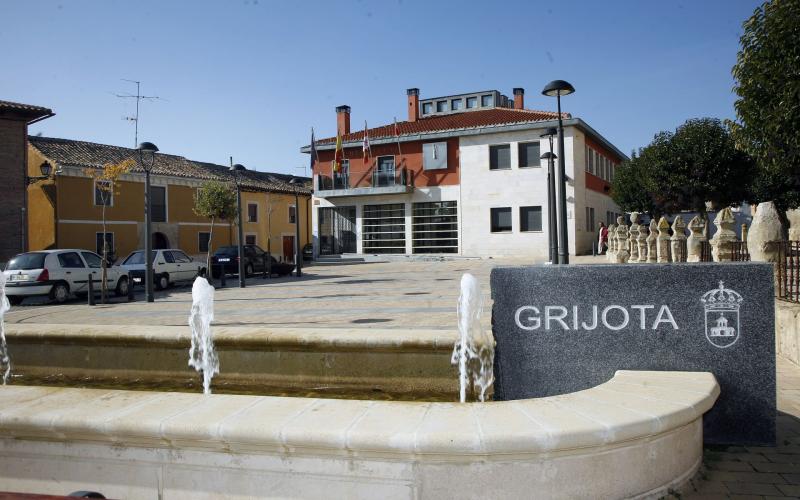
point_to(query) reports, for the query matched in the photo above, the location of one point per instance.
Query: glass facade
(337, 230)
(383, 228)
(435, 227)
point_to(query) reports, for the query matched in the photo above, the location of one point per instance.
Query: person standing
(602, 238)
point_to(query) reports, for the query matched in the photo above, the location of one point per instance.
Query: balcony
(377, 183)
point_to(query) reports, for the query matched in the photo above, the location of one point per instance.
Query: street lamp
(46, 169)
(237, 170)
(298, 257)
(147, 159)
(551, 197)
(556, 89)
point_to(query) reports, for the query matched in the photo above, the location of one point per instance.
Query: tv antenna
(138, 97)
(304, 168)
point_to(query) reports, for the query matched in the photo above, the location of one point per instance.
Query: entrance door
(288, 248)
(337, 230)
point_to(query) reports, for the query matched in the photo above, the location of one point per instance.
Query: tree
(768, 108)
(630, 189)
(700, 163)
(106, 181)
(682, 170)
(215, 200)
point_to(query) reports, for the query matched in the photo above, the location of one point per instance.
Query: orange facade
(407, 156)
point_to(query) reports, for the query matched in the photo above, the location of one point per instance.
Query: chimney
(342, 120)
(413, 104)
(519, 98)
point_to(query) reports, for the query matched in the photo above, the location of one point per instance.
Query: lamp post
(556, 89)
(237, 170)
(551, 205)
(298, 254)
(147, 158)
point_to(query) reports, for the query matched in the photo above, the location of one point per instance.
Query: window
(529, 155)
(158, 202)
(589, 219)
(70, 260)
(180, 257)
(98, 243)
(250, 239)
(456, 104)
(530, 219)
(92, 260)
(500, 157)
(441, 106)
(427, 108)
(472, 102)
(501, 219)
(384, 228)
(168, 257)
(384, 173)
(435, 227)
(252, 212)
(486, 100)
(292, 214)
(586, 156)
(103, 194)
(591, 161)
(202, 241)
(341, 179)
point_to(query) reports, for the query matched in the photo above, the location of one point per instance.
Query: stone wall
(787, 330)
(13, 137)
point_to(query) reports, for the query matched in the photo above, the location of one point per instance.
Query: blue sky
(249, 78)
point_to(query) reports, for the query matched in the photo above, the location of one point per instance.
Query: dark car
(255, 261)
(308, 252)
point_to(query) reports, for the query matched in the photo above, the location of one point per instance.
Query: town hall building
(462, 175)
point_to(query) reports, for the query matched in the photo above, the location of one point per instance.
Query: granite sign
(562, 329)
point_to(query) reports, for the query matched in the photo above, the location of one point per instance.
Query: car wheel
(59, 292)
(162, 281)
(122, 287)
(248, 271)
(15, 300)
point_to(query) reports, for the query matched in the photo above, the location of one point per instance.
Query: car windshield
(227, 251)
(137, 258)
(25, 261)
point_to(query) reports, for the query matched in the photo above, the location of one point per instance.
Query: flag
(365, 146)
(314, 156)
(338, 154)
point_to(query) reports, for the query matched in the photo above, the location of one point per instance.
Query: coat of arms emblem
(722, 316)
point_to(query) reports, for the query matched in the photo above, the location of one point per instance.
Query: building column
(359, 228)
(409, 228)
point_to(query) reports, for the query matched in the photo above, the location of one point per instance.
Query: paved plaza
(423, 294)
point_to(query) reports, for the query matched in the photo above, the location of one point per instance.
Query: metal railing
(738, 252)
(325, 182)
(788, 272)
(388, 178)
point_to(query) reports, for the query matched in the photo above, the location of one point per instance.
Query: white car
(59, 273)
(169, 266)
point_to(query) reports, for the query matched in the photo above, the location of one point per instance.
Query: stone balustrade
(663, 242)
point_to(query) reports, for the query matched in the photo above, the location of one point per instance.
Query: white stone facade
(480, 189)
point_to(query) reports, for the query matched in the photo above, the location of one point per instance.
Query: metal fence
(788, 272)
(738, 252)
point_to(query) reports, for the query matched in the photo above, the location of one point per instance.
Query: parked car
(59, 273)
(169, 266)
(255, 260)
(308, 252)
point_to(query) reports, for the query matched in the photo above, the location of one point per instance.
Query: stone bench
(636, 435)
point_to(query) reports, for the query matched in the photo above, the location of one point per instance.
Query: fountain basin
(369, 363)
(635, 436)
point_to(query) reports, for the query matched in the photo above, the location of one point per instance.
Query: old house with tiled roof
(65, 210)
(461, 175)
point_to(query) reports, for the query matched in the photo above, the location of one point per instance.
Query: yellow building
(66, 210)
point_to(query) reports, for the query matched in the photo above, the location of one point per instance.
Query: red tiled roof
(455, 121)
